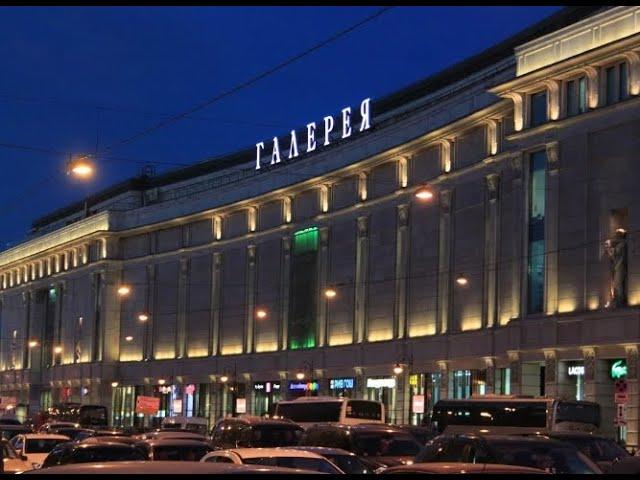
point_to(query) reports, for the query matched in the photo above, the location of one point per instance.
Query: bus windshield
(85, 415)
(310, 411)
(577, 413)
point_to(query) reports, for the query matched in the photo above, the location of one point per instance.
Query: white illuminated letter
(311, 137)
(328, 127)
(293, 148)
(259, 146)
(365, 112)
(346, 122)
(275, 154)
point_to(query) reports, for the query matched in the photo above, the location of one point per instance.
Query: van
(193, 424)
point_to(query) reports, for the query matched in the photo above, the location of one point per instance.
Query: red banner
(147, 405)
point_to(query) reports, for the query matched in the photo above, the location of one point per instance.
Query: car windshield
(182, 453)
(385, 444)
(314, 464)
(597, 449)
(275, 436)
(349, 464)
(41, 445)
(110, 454)
(550, 457)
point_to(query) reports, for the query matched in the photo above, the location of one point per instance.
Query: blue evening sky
(73, 78)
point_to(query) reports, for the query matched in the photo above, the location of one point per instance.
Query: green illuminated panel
(305, 241)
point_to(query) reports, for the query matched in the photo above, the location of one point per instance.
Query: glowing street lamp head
(161, 381)
(330, 293)
(224, 378)
(397, 369)
(143, 317)
(81, 168)
(261, 313)
(424, 194)
(33, 343)
(124, 290)
(114, 384)
(300, 375)
(462, 280)
(57, 349)
(128, 338)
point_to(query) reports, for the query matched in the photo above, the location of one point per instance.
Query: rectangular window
(304, 273)
(538, 108)
(536, 253)
(49, 327)
(461, 384)
(576, 93)
(617, 79)
(623, 81)
(611, 85)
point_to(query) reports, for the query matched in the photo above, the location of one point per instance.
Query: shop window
(536, 251)
(576, 94)
(538, 108)
(616, 83)
(461, 384)
(503, 381)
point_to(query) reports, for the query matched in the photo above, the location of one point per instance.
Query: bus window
(310, 411)
(490, 414)
(578, 412)
(364, 409)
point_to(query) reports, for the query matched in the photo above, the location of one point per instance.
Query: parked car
(386, 445)
(52, 427)
(10, 421)
(602, 450)
(628, 466)
(169, 468)
(12, 461)
(462, 468)
(173, 449)
(274, 457)
(191, 424)
(111, 439)
(252, 431)
(80, 436)
(171, 435)
(422, 434)
(348, 462)
(73, 452)
(36, 446)
(71, 432)
(7, 432)
(535, 452)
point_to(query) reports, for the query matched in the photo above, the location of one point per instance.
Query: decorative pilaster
(517, 239)
(550, 373)
(285, 288)
(216, 304)
(402, 257)
(324, 198)
(249, 330)
(323, 271)
(403, 171)
(551, 228)
(183, 296)
(633, 59)
(493, 137)
(362, 186)
(362, 263)
(446, 155)
(491, 248)
(553, 99)
(445, 236)
(519, 109)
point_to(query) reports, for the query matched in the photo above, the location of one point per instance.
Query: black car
(421, 433)
(385, 445)
(7, 432)
(254, 432)
(84, 434)
(174, 449)
(70, 452)
(602, 450)
(535, 451)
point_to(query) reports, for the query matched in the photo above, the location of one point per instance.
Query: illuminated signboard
(305, 386)
(266, 387)
(618, 369)
(342, 128)
(389, 382)
(342, 383)
(575, 370)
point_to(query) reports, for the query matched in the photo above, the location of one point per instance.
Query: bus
(87, 416)
(307, 411)
(505, 414)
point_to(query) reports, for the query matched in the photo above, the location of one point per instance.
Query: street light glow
(143, 317)
(114, 384)
(462, 280)
(128, 338)
(300, 375)
(330, 293)
(81, 168)
(33, 343)
(398, 369)
(261, 313)
(124, 290)
(161, 381)
(57, 349)
(224, 378)
(424, 194)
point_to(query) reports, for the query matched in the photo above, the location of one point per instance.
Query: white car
(12, 462)
(36, 446)
(273, 457)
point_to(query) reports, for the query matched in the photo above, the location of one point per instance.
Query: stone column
(599, 388)
(362, 272)
(183, 297)
(551, 374)
(633, 391)
(551, 229)
(515, 369)
(249, 329)
(445, 236)
(323, 271)
(111, 315)
(490, 376)
(402, 258)
(517, 259)
(216, 299)
(491, 239)
(150, 302)
(283, 330)
(443, 368)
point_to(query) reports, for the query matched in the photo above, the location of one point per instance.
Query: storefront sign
(342, 383)
(389, 382)
(575, 370)
(177, 406)
(621, 415)
(618, 369)
(190, 389)
(305, 386)
(241, 405)
(417, 404)
(147, 405)
(266, 387)
(313, 142)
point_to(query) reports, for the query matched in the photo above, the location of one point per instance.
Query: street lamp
(57, 350)
(81, 167)
(124, 290)
(261, 313)
(33, 343)
(398, 369)
(462, 280)
(330, 293)
(424, 194)
(128, 338)
(114, 384)
(143, 317)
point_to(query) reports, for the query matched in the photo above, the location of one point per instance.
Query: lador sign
(312, 142)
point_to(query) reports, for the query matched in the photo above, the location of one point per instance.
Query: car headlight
(379, 469)
(35, 466)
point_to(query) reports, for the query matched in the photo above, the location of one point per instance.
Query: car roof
(576, 435)
(179, 442)
(361, 427)
(254, 420)
(164, 467)
(452, 467)
(271, 452)
(323, 450)
(45, 436)
(511, 438)
(113, 445)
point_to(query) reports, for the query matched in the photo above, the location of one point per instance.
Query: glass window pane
(611, 85)
(572, 101)
(623, 86)
(537, 194)
(538, 108)
(582, 94)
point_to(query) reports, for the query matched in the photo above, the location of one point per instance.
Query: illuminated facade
(500, 282)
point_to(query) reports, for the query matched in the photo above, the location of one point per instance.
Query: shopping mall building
(473, 233)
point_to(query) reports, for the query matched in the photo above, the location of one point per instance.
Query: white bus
(505, 414)
(307, 411)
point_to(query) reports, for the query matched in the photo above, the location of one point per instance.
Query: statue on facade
(616, 250)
